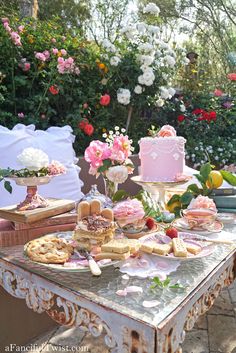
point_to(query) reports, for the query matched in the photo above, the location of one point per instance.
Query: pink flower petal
(125, 277)
(134, 289)
(150, 303)
(121, 292)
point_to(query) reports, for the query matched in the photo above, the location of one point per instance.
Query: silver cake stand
(158, 188)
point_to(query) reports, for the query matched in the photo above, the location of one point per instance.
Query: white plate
(206, 249)
(227, 218)
(181, 224)
(72, 266)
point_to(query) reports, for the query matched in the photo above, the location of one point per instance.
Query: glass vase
(110, 187)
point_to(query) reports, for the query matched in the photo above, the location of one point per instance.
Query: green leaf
(186, 198)
(194, 188)
(229, 177)
(205, 171)
(120, 195)
(7, 186)
(200, 178)
(173, 199)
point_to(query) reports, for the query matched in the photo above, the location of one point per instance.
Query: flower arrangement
(111, 158)
(36, 164)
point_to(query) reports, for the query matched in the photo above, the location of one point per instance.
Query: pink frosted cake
(162, 156)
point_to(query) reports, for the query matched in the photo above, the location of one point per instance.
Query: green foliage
(157, 283)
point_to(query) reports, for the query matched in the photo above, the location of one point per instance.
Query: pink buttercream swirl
(167, 131)
(129, 211)
(202, 202)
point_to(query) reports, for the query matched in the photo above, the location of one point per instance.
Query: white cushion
(57, 143)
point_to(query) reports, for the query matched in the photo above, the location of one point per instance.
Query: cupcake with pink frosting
(129, 212)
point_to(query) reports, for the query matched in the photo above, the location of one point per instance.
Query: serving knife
(94, 268)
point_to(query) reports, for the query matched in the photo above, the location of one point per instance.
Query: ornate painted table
(91, 303)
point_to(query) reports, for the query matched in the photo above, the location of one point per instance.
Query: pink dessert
(163, 156)
(129, 211)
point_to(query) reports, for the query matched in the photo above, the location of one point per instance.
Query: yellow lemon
(172, 207)
(215, 180)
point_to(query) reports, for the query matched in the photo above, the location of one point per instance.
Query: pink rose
(63, 38)
(46, 53)
(96, 152)
(105, 99)
(56, 168)
(218, 93)
(54, 51)
(232, 77)
(26, 67)
(121, 148)
(21, 115)
(7, 27)
(40, 56)
(63, 52)
(202, 202)
(21, 29)
(167, 131)
(5, 20)
(53, 40)
(16, 38)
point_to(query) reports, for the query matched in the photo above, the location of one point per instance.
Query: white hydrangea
(146, 47)
(152, 9)
(138, 89)
(164, 75)
(145, 59)
(114, 61)
(33, 158)
(108, 46)
(141, 27)
(160, 102)
(170, 60)
(164, 93)
(129, 31)
(153, 29)
(123, 96)
(171, 91)
(182, 108)
(147, 77)
(164, 45)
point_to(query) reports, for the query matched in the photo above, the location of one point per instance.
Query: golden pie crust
(49, 250)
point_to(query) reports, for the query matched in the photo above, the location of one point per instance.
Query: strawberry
(171, 232)
(150, 223)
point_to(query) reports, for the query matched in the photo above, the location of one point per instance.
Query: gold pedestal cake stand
(158, 188)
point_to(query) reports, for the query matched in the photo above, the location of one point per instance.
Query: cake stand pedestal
(158, 188)
(33, 199)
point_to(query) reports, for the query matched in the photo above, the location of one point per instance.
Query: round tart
(49, 250)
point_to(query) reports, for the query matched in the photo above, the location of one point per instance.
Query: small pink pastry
(129, 211)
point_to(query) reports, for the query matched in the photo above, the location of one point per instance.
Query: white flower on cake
(152, 9)
(117, 174)
(154, 155)
(176, 156)
(33, 159)
(123, 96)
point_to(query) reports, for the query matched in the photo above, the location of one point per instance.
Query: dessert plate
(183, 225)
(226, 218)
(206, 250)
(74, 264)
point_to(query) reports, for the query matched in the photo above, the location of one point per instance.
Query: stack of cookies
(177, 246)
(95, 225)
(118, 249)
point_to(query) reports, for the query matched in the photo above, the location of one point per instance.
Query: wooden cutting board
(55, 207)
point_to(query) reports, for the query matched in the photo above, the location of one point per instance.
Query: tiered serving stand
(158, 188)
